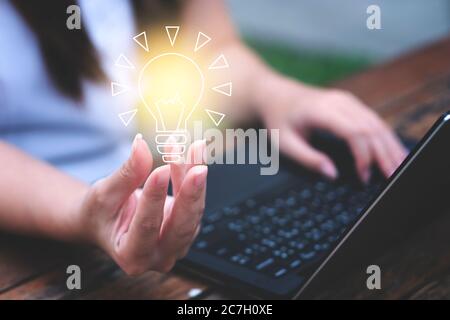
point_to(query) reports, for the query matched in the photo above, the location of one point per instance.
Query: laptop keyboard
(286, 232)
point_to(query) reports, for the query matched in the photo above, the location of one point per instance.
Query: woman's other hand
(295, 109)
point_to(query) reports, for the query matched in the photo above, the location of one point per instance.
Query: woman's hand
(295, 109)
(145, 229)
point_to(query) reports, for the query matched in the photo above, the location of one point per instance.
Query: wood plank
(51, 284)
(385, 82)
(148, 286)
(24, 258)
(101, 279)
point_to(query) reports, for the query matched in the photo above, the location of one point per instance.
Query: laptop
(286, 236)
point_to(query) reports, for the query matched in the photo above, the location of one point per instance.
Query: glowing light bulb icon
(171, 86)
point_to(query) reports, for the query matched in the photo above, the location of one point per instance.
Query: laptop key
(280, 272)
(296, 263)
(306, 194)
(268, 243)
(222, 251)
(321, 246)
(308, 255)
(207, 229)
(290, 202)
(213, 217)
(320, 186)
(264, 264)
(201, 244)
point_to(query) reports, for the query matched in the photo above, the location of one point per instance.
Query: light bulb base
(174, 138)
(171, 146)
(171, 158)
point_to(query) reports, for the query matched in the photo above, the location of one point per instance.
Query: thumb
(131, 175)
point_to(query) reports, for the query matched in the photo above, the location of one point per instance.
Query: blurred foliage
(318, 68)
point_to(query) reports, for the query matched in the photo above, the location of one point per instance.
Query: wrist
(264, 94)
(81, 230)
(274, 90)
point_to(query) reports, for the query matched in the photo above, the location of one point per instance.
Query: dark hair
(69, 55)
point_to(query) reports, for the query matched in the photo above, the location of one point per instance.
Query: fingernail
(136, 140)
(329, 170)
(203, 153)
(200, 176)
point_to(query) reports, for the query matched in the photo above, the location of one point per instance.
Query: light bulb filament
(171, 112)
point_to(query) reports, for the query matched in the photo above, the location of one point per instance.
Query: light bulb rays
(141, 40)
(172, 33)
(225, 89)
(216, 117)
(219, 63)
(127, 117)
(123, 62)
(202, 40)
(117, 88)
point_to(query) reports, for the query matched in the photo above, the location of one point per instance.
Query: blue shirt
(88, 141)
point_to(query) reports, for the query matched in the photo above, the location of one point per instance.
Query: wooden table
(409, 92)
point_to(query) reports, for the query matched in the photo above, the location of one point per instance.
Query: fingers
(146, 224)
(358, 131)
(370, 140)
(395, 148)
(195, 156)
(178, 168)
(355, 133)
(382, 157)
(363, 157)
(121, 184)
(178, 171)
(136, 249)
(181, 224)
(299, 150)
(386, 148)
(185, 251)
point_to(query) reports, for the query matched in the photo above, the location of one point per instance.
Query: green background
(316, 68)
